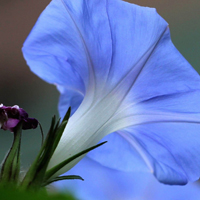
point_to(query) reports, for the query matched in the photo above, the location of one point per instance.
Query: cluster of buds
(11, 116)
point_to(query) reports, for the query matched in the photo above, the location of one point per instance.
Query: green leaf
(60, 178)
(67, 115)
(35, 176)
(53, 170)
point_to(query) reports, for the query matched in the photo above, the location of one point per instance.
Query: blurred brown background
(19, 86)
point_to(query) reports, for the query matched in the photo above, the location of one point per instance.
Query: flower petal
(126, 158)
(164, 88)
(10, 124)
(86, 43)
(70, 43)
(165, 72)
(104, 183)
(135, 30)
(173, 148)
(165, 132)
(69, 98)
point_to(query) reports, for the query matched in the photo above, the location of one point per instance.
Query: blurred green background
(19, 86)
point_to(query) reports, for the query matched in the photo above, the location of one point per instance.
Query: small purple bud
(11, 116)
(30, 123)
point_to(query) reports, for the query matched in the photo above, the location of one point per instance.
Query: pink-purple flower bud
(11, 116)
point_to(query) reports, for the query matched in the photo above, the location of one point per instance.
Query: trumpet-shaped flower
(115, 65)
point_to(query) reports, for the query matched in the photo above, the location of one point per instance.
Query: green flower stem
(11, 165)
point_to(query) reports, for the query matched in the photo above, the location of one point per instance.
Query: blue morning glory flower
(115, 65)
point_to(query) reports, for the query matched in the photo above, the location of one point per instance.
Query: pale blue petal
(119, 154)
(69, 97)
(134, 30)
(70, 44)
(88, 42)
(162, 87)
(172, 148)
(166, 136)
(101, 183)
(164, 72)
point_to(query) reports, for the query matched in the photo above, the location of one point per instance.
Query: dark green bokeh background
(19, 86)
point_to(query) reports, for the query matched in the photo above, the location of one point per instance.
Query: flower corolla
(116, 66)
